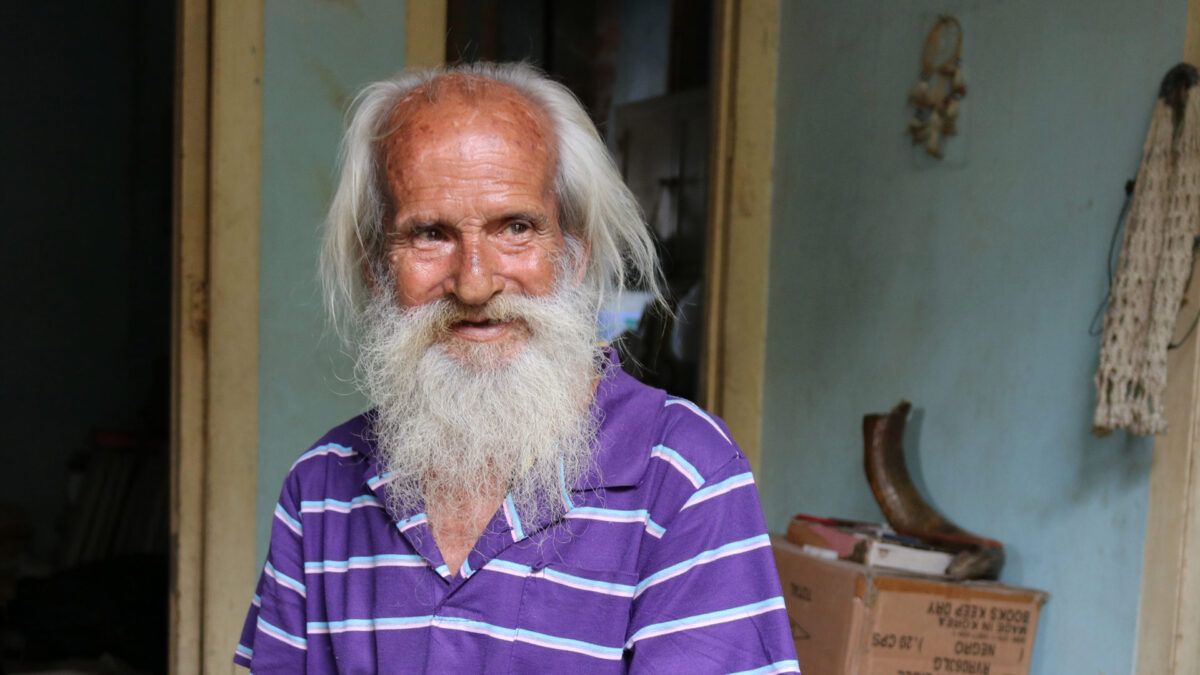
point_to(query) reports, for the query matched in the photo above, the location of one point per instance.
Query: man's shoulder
(347, 441)
(696, 436)
(670, 428)
(351, 433)
(335, 468)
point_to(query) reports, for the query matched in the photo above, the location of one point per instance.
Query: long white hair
(596, 209)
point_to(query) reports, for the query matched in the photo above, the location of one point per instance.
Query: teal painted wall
(966, 285)
(317, 56)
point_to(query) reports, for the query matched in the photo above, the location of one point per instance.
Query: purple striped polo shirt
(662, 565)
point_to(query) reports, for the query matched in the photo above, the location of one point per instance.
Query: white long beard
(459, 422)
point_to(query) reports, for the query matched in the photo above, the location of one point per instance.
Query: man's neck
(458, 522)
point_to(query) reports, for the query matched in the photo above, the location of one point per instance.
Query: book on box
(867, 543)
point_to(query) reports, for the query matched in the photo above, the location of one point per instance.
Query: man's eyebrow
(535, 217)
(413, 222)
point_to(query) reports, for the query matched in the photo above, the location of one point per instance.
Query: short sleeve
(709, 598)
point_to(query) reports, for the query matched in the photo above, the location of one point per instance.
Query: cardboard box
(850, 619)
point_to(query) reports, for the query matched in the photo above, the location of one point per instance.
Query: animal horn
(907, 511)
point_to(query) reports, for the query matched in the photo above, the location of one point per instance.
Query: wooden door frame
(214, 378)
(1169, 614)
(188, 297)
(746, 50)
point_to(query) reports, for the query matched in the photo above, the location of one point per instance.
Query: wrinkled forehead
(451, 105)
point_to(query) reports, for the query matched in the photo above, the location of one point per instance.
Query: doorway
(88, 118)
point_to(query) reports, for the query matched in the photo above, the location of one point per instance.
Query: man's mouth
(481, 330)
(481, 322)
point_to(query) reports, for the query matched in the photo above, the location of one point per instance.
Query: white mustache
(447, 311)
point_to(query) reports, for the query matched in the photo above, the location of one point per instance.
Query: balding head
(444, 113)
(462, 95)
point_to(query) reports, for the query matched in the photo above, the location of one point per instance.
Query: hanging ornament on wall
(937, 94)
(1155, 265)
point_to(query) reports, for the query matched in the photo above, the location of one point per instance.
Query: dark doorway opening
(87, 130)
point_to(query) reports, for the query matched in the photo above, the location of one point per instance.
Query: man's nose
(477, 277)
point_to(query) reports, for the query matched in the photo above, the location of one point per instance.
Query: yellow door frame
(214, 383)
(1169, 615)
(731, 373)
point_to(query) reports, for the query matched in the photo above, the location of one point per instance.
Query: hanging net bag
(1152, 271)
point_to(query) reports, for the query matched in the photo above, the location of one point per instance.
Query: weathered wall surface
(966, 286)
(318, 54)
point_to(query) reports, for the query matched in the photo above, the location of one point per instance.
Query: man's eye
(428, 234)
(519, 227)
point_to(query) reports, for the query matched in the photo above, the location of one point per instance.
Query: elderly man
(513, 502)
